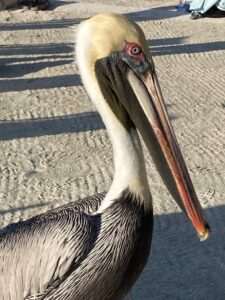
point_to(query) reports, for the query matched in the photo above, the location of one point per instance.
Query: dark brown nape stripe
(110, 73)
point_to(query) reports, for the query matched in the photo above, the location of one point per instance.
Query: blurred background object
(25, 4)
(199, 8)
(183, 6)
(5, 4)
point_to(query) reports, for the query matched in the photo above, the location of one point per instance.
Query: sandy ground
(54, 147)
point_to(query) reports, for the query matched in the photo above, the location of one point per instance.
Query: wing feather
(38, 254)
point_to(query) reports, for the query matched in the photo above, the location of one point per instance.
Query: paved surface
(54, 147)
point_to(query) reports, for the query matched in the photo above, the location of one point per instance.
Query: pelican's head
(112, 51)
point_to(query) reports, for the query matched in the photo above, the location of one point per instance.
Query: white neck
(129, 166)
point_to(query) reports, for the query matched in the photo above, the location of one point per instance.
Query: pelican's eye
(135, 50)
(135, 58)
(132, 49)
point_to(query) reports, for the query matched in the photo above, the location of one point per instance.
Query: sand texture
(54, 147)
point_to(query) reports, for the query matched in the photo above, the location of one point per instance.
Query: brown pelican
(95, 248)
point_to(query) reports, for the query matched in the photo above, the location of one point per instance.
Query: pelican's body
(96, 248)
(87, 260)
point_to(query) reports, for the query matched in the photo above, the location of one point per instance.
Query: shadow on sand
(182, 267)
(22, 208)
(177, 45)
(57, 3)
(156, 13)
(19, 60)
(50, 126)
(36, 49)
(12, 71)
(49, 24)
(13, 85)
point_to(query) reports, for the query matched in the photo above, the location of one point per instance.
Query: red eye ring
(132, 49)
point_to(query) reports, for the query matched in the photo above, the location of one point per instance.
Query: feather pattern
(94, 256)
(27, 270)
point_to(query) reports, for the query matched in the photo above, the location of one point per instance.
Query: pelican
(96, 248)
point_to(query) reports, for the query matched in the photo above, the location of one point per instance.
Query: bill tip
(205, 234)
